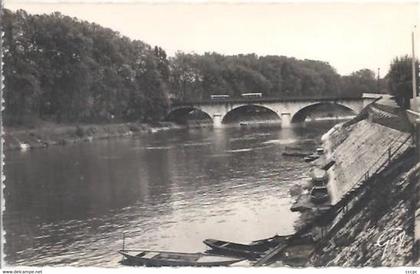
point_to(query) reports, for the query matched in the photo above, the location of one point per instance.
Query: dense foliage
(361, 81)
(64, 70)
(400, 79)
(198, 76)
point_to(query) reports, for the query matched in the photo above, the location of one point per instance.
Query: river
(69, 205)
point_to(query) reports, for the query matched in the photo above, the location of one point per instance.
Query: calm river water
(69, 205)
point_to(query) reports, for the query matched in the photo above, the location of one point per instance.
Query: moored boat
(295, 154)
(319, 194)
(319, 176)
(328, 165)
(311, 158)
(164, 258)
(320, 150)
(272, 240)
(252, 251)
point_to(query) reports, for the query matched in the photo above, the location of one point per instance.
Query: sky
(350, 36)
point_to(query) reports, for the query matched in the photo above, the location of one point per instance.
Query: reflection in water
(70, 205)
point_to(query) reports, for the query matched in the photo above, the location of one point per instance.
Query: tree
(400, 79)
(361, 81)
(61, 69)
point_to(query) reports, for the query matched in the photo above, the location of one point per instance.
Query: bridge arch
(304, 112)
(181, 114)
(251, 112)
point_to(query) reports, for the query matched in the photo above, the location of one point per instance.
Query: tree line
(400, 79)
(199, 76)
(61, 69)
(65, 70)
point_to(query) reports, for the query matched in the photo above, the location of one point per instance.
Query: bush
(80, 132)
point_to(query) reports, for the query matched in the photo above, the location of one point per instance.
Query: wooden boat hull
(319, 176)
(184, 259)
(295, 154)
(272, 240)
(249, 251)
(319, 195)
(310, 158)
(233, 249)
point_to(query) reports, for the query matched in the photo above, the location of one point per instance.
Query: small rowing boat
(251, 251)
(234, 249)
(319, 194)
(311, 158)
(164, 258)
(319, 176)
(295, 154)
(272, 240)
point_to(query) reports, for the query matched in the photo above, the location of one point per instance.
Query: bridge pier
(286, 120)
(217, 120)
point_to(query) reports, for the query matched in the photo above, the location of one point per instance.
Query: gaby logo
(391, 237)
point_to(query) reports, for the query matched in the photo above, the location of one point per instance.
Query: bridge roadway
(289, 110)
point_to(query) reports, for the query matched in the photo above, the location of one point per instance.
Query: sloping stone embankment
(380, 231)
(358, 150)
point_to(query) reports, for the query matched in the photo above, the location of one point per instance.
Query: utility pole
(413, 65)
(379, 69)
(1, 135)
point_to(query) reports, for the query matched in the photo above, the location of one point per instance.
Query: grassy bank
(50, 134)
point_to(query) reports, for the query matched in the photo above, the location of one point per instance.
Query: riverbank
(378, 228)
(57, 134)
(380, 233)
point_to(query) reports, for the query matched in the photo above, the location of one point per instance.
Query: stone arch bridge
(289, 110)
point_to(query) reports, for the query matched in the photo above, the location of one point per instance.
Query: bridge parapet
(271, 100)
